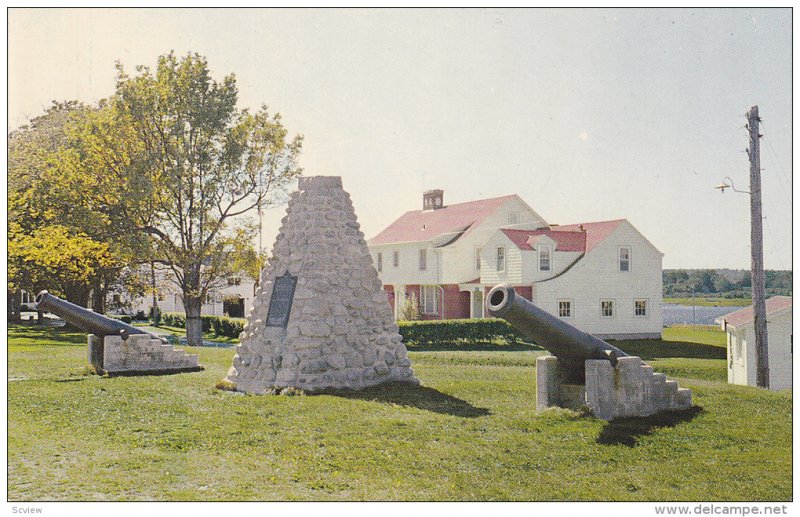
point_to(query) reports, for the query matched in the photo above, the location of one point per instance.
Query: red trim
(389, 289)
(525, 291)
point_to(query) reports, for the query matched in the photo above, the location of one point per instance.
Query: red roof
(745, 315)
(595, 232)
(424, 225)
(582, 237)
(565, 240)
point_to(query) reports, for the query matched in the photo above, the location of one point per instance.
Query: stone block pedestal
(139, 354)
(630, 389)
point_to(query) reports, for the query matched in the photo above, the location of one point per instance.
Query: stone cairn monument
(320, 318)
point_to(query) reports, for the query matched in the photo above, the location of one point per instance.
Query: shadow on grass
(649, 349)
(625, 431)
(412, 395)
(56, 336)
(473, 347)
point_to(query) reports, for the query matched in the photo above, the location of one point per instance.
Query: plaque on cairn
(280, 303)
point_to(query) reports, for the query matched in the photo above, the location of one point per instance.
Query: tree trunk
(78, 294)
(194, 325)
(193, 305)
(98, 296)
(15, 305)
(153, 284)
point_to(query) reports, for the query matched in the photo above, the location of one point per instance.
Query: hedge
(221, 325)
(414, 333)
(458, 331)
(229, 327)
(124, 318)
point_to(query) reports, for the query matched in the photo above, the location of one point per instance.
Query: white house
(233, 298)
(740, 328)
(602, 277)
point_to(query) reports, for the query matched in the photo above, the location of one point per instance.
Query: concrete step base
(140, 353)
(629, 389)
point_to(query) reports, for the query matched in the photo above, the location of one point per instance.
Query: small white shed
(740, 328)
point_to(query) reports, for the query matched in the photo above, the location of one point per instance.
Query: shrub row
(415, 333)
(229, 327)
(458, 331)
(124, 318)
(221, 325)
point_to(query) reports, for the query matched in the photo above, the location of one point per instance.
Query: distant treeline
(724, 283)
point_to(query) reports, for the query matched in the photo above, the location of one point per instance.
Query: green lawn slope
(470, 432)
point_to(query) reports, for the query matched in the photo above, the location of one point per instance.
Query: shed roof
(745, 315)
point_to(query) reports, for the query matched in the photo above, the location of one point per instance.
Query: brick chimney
(433, 199)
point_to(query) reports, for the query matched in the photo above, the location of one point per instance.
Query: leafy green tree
(54, 258)
(55, 192)
(196, 163)
(702, 280)
(778, 282)
(32, 148)
(722, 284)
(245, 258)
(745, 281)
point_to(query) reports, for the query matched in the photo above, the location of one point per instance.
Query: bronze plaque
(280, 304)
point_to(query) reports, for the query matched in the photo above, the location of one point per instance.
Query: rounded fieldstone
(369, 373)
(336, 361)
(314, 329)
(354, 361)
(285, 377)
(315, 366)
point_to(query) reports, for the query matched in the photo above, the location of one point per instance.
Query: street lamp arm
(729, 184)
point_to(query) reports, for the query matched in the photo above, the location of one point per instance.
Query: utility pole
(757, 251)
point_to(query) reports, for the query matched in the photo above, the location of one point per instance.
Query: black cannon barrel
(570, 345)
(83, 318)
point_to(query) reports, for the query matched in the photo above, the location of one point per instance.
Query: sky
(586, 114)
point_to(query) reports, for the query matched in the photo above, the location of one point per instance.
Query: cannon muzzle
(572, 346)
(85, 319)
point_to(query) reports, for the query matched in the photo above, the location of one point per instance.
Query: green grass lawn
(181, 332)
(711, 302)
(470, 432)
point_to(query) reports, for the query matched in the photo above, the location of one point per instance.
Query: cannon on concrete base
(116, 347)
(585, 371)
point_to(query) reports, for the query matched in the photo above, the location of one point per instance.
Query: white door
(477, 304)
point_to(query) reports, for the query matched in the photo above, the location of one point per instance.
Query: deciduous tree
(202, 162)
(55, 191)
